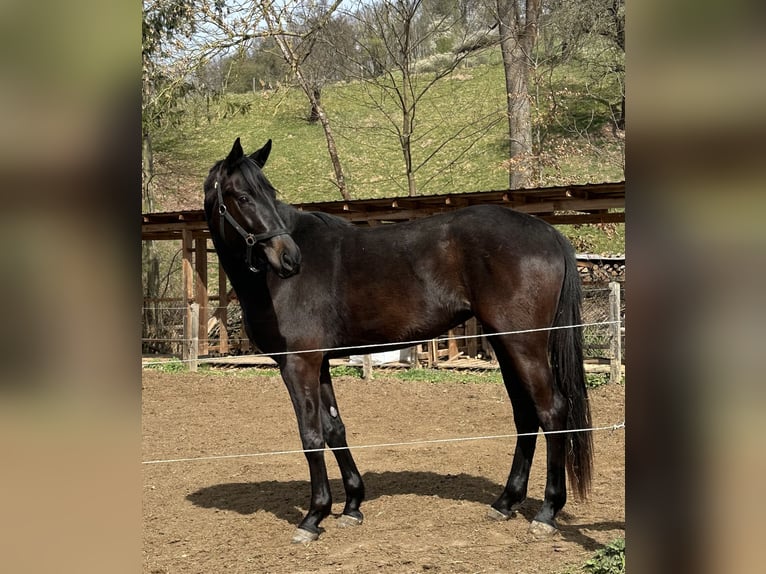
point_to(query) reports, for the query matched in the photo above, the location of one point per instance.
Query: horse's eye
(243, 198)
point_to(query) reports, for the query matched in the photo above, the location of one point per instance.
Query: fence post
(223, 312)
(414, 357)
(367, 367)
(615, 362)
(433, 353)
(191, 337)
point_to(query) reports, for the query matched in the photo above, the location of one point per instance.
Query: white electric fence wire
(389, 345)
(613, 427)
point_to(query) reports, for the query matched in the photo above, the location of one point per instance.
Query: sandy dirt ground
(426, 504)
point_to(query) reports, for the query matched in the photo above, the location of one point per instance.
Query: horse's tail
(565, 346)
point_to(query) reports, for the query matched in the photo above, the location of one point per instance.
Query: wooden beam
(572, 218)
(188, 287)
(471, 342)
(222, 312)
(200, 268)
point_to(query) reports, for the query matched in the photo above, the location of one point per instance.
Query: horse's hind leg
(527, 423)
(536, 402)
(335, 434)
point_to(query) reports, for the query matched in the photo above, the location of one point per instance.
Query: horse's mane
(330, 220)
(259, 183)
(255, 178)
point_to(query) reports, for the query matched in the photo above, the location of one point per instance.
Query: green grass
(171, 366)
(491, 376)
(299, 167)
(447, 376)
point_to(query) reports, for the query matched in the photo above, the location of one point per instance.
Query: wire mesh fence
(163, 331)
(596, 309)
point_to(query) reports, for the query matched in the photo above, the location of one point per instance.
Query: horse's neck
(288, 213)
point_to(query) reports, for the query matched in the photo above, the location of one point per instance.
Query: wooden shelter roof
(588, 203)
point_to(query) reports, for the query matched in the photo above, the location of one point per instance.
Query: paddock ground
(426, 504)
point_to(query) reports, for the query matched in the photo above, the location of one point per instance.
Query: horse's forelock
(255, 178)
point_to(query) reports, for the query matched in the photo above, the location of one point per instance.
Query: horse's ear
(235, 155)
(260, 156)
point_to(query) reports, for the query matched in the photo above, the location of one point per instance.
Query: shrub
(608, 560)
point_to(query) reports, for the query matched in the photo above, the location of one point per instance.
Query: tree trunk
(316, 105)
(405, 139)
(151, 263)
(517, 27)
(519, 121)
(314, 114)
(618, 18)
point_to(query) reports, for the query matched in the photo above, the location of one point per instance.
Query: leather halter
(250, 238)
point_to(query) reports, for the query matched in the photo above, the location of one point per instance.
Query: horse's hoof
(347, 521)
(302, 536)
(494, 514)
(542, 530)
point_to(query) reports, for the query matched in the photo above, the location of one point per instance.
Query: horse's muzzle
(283, 255)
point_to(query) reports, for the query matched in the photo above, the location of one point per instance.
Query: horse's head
(241, 210)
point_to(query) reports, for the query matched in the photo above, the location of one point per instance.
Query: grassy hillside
(470, 103)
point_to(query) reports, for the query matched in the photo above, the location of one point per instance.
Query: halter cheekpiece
(251, 239)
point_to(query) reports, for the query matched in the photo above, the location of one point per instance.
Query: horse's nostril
(290, 262)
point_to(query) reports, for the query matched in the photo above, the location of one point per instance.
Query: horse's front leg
(335, 435)
(301, 375)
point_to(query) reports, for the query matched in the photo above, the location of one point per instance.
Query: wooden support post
(414, 361)
(188, 289)
(367, 367)
(223, 312)
(433, 353)
(200, 267)
(452, 348)
(615, 331)
(194, 347)
(471, 342)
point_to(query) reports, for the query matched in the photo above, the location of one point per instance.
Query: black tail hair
(565, 347)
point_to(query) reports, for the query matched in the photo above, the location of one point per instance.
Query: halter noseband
(250, 238)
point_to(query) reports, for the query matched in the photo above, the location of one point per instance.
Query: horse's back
(496, 223)
(505, 245)
(513, 266)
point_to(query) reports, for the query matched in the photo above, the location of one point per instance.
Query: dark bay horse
(313, 281)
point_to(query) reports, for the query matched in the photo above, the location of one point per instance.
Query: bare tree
(395, 38)
(162, 20)
(296, 47)
(587, 39)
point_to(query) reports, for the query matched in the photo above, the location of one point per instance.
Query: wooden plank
(615, 333)
(573, 204)
(541, 201)
(192, 355)
(452, 346)
(200, 276)
(433, 353)
(173, 299)
(177, 226)
(472, 342)
(188, 288)
(573, 218)
(222, 312)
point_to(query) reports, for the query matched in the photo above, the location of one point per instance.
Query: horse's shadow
(281, 497)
